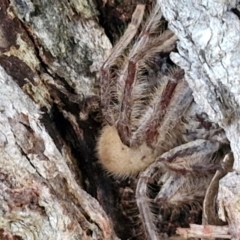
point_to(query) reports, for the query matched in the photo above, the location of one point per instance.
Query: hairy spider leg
(105, 78)
(145, 48)
(192, 159)
(184, 159)
(142, 200)
(167, 107)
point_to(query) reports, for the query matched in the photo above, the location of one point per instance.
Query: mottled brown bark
(50, 53)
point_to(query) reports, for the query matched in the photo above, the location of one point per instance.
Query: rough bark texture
(41, 185)
(40, 198)
(208, 51)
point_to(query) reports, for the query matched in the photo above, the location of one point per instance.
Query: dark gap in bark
(236, 12)
(95, 180)
(115, 15)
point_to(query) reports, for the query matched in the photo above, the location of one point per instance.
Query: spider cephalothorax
(152, 125)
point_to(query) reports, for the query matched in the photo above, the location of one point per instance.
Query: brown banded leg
(143, 203)
(143, 50)
(182, 160)
(106, 83)
(170, 101)
(192, 165)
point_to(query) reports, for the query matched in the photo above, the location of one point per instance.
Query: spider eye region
(117, 158)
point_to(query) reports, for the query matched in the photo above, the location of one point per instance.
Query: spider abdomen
(117, 158)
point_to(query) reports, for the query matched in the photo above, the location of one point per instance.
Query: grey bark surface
(71, 43)
(208, 51)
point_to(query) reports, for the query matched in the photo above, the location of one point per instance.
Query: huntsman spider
(152, 126)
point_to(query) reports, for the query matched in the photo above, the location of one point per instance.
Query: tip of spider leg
(138, 14)
(118, 159)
